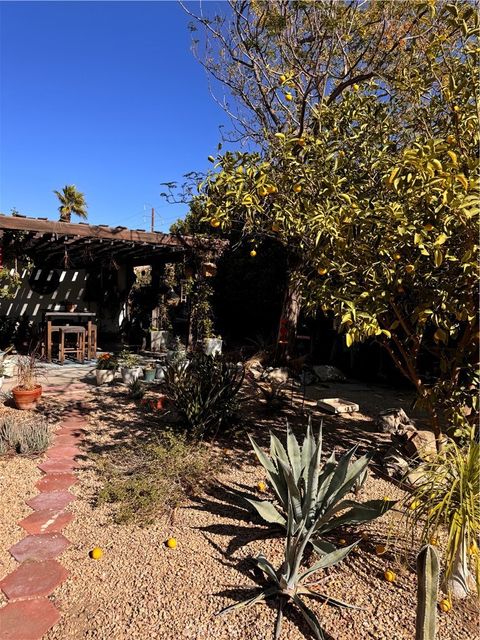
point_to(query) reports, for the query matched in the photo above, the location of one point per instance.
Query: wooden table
(63, 315)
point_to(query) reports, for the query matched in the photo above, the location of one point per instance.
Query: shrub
(27, 437)
(448, 497)
(155, 478)
(203, 391)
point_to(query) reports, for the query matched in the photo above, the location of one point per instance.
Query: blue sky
(106, 96)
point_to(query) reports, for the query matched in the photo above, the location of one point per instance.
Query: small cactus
(427, 592)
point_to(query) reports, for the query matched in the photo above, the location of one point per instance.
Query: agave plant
(290, 582)
(315, 493)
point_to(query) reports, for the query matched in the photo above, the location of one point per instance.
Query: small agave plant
(314, 493)
(291, 582)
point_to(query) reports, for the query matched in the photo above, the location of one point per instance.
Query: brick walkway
(29, 614)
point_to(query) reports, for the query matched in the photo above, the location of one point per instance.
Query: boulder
(394, 421)
(327, 373)
(421, 445)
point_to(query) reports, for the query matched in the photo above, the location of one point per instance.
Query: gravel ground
(142, 590)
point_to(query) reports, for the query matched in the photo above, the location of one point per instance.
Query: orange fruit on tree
(272, 188)
(289, 97)
(428, 226)
(253, 253)
(214, 222)
(322, 271)
(397, 256)
(410, 268)
(297, 188)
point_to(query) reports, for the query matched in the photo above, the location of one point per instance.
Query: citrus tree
(377, 202)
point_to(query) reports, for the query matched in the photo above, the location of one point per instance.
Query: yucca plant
(291, 582)
(448, 496)
(314, 492)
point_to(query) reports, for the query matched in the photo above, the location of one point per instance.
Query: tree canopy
(375, 189)
(71, 201)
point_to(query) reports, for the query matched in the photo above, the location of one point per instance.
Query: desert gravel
(140, 590)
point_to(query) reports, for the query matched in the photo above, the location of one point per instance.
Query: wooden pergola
(79, 245)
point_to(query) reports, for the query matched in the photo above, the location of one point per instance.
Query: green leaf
(329, 560)
(267, 511)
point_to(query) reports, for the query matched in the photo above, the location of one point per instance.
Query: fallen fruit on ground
(172, 543)
(389, 575)
(96, 553)
(445, 605)
(380, 549)
(261, 486)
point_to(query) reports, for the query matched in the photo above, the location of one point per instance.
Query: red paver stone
(78, 432)
(56, 481)
(66, 440)
(33, 579)
(58, 466)
(27, 619)
(56, 500)
(39, 548)
(47, 521)
(61, 452)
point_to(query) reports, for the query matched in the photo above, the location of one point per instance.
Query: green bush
(204, 391)
(153, 479)
(28, 436)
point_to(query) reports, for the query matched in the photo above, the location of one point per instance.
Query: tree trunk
(287, 331)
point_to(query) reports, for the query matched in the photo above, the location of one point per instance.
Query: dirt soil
(142, 590)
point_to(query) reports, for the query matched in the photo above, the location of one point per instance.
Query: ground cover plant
(149, 480)
(25, 436)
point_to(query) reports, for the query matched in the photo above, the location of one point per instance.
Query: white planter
(159, 340)
(160, 373)
(104, 375)
(212, 346)
(129, 375)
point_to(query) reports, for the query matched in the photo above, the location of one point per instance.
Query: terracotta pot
(26, 398)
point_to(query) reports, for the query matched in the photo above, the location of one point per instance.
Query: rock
(327, 373)
(394, 421)
(421, 445)
(276, 376)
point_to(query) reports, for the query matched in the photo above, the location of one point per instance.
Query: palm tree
(71, 201)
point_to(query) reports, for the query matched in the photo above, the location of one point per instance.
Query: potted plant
(27, 391)
(130, 368)
(178, 353)
(149, 372)
(106, 368)
(213, 346)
